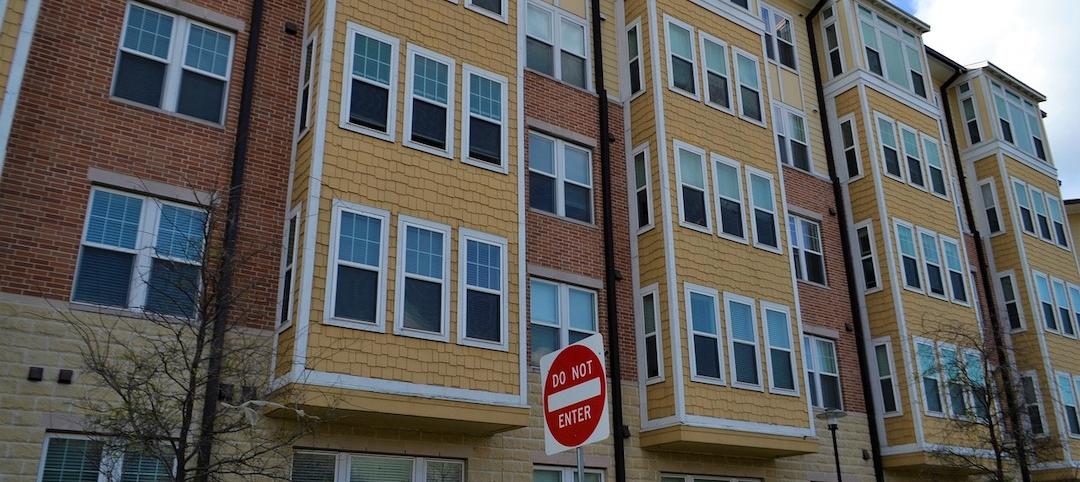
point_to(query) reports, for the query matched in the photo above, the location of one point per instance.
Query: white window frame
(887, 343)
(995, 205)
(563, 308)
(901, 161)
(670, 21)
(947, 271)
(736, 52)
(412, 51)
(796, 222)
(926, 263)
(702, 478)
(899, 35)
(815, 371)
(1022, 203)
(566, 474)
(559, 147)
(467, 71)
(770, 31)
(1042, 278)
(287, 269)
(897, 224)
(854, 147)
(795, 375)
(1037, 194)
(718, 159)
(557, 16)
(339, 207)
(1054, 206)
(110, 467)
(704, 37)
(635, 26)
(464, 236)
(353, 29)
(1015, 300)
(1034, 377)
(470, 4)
(657, 335)
(782, 115)
(728, 299)
(1063, 304)
(682, 146)
(1064, 414)
(405, 222)
(868, 225)
(711, 293)
(307, 83)
(825, 24)
(918, 155)
(936, 374)
(1008, 97)
(343, 465)
(642, 150)
(929, 168)
(970, 96)
(750, 173)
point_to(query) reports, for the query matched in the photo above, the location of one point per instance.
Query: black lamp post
(831, 416)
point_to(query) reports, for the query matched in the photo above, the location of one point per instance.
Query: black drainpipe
(845, 243)
(223, 296)
(1007, 382)
(611, 274)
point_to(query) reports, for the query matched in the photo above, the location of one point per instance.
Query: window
(560, 178)
(832, 49)
(633, 55)
(779, 37)
(953, 368)
(1063, 312)
(892, 52)
(1068, 402)
(743, 4)
(423, 279)
(1039, 202)
(717, 81)
(288, 263)
(483, 129)
(1023, 202)
(555, 44)
(729, 198)
(1033, 403)
(1074, 301)
(930, 373)
(693, 189)
(888, 388)
(1042, 288)
(867, 256)
(429, 96)
(805, 238)
(751, 105)
(932, 261)
(561, 314)
(642, 188)
(493, 8)
(564, 474)
(914, 159)
(1019, 121)
(358, 266)
(933, 165)
(792, 138)
(889, 147)
(307, 78)
(781, 360)
(971, 115)
(742, 331)
(155, 68)
(905, 238)
(1009, 299)
(851, 150)
(990, 206)
(979, 387)
(324, 467)
(823, 372)
(696, 478)
(955, 267)
(766, 229)
(682, 62)
(482, 299)
(1058, 221)
(69, 458)
(141, 253)
(653, 351)
(704, 326)
(371, 93)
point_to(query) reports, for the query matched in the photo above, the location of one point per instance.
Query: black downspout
(204, 448)
(1007, 383)
(845, 243)
(611, 275)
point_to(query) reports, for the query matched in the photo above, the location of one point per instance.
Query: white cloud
(1037, 41)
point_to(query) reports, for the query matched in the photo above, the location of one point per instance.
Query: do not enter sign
(575, 396)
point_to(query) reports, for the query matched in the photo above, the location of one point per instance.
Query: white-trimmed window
(556, 44)
(1029, 384)
(763, 200)
(988, 194)
(1023, 203)
(482, 297)
(141, 253)
(1061, 299)
(954, 267)
(706, 353)
(563, 474)
(890, 149)
(1019, 121)
(969, 111)
(560, 178)
(173, 63)
(1046, 302)
(483, 116)
(909, 259)
(288, 265)
(931, 255)
(1012, 303)
(934, 167)
(654, 351)
(344, 467)
(751, 102)
(832, 41)
(890, 394)
(892, 52)
(560, 314)
(633, 58)
(822, 372)
(77, 457)
(716, 72)
(955, 385)
(851, 149)
(423, 279)
(913, 157)
(1058, 221)
(357, 276)
(493, 8)
(781, 349)
(701, 478)
(1042, 217)
(864, 234)
(1074, 303)
(743, 4)
(429, 101)
(792, 138)
(806, 248)
(729, 198)
(642, 188)
(930, 375)
(979, 387)
(681, 57)
(1067, 391)
(371, 63)
(743, 346)
(779, 37)
(307, 79)
(694, 211)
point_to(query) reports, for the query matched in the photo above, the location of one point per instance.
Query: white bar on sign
(574, 395)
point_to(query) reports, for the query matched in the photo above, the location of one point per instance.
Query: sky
(1037, 41)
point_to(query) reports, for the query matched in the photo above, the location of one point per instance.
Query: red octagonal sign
(575, 396)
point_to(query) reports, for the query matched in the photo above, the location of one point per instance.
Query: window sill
(284, 326)
(696, 227)
(765, 247)
(635, 95)
(563, 218)
(385, 136)
(131, 103)
(783, 392)
(812, 283)
(355, 325)
(400, 330)
(644, 229)
(501, 169)
(743, 240)
(654, 380)
(747, 386)
(707, 380)
(483, 344)
(714, 105)
(486, 13)
(447, 153)
(84, 307)
(694, 97)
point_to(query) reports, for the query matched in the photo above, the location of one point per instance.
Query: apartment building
(771, 211)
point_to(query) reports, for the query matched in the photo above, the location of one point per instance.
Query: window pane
(359, 239)
(578, 202)
(371, 59)
(748, 74)
(148, 31)
(541, 154)
(573, 69)
(423, 305)
(313, 468)
(139, 79)
(71, 460)
(543, 340)
(539, 56)
(547, 476)
(782, 375)
(762, 192)
(539, 23)
(727, 181)
(779, 334)
(681, 44)
(366, 468)
(493, 6)
(180, 233)
(572, 37)
(368, 105)
(484, 265)
(690, 169)
(766, 229)
(423, 252)
(682, 73)
(445, 471)
(542, 192)
(144, 468)
(201, 96)
(356, 293)
(485, 141)
(582, 310)
(484, 319)
(113, 219)
(544, 303)
(208, 50)
(830, 392)
(742, 322)
(173, 289)
(694, 206)
(706, 356)
(746, 363)
(578, 165)
(485, 97)
(429, 124)
(104, 277)
(750, 101)
(703, 313)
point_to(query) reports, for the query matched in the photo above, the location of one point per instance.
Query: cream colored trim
(821, 331)
(197, 12)
(533, 123)
(153, 188)
(565, 277)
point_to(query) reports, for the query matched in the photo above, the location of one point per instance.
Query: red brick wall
(573, 247)
(829, 306)
(67, 123)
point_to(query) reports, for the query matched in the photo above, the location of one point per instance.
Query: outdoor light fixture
(831, 417)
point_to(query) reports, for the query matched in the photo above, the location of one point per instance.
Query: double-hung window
(954, 267)
(141, 253)
(1061, 300)
(493, 8)
(333, 467)
(751, 104)
(766, 224)
(1067, 390)
(1074, 302)
(851, 149)
(633, 58)
(1032, 402)
(72, 457)
(980, 386)
(423, 279)
(892, 52)
(307, 79)
(934, 167)
(555, 44)
(1057, 220)
(913, 156)
(429, 97)
(561, 474)
(806, 248)
(890, 150)
(1038, 201)
(909, 260)
(682, 60)
(482, 296)
(717, 79)
(370, 92)
(823, 372)
(832, 41)
(693, 188)
(358, 266)
(650, 311)
(743, 346)
(988, 194)
(729, 198)
(1046, 302)
(931, 254)
(173, 63)
(1010, 300)
(886, 384)
(642, 188)
(561, 314)
(1023, 203)
(867, 256)
(704, 325)
(288, 265)
(1019, 121)
(930, 374)
(791, 137)
(781, 349)
(955, 383)
(779, 37)
(969, 111)
(560, 178)
(484, 123)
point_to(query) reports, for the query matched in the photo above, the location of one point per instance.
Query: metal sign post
(580, 464)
